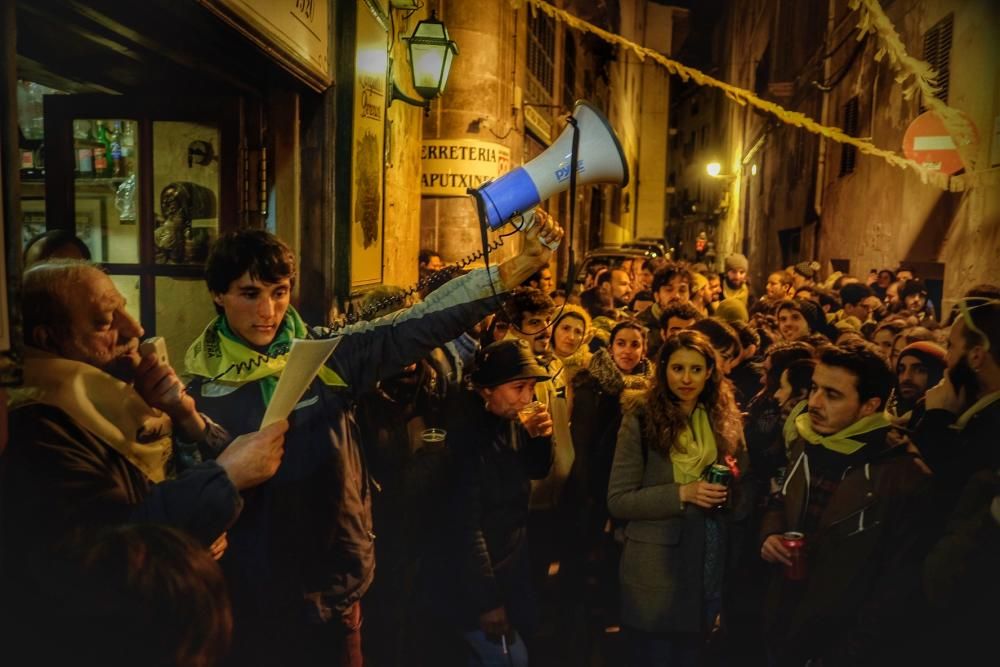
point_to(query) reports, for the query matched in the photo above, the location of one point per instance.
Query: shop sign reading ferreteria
(450, 167)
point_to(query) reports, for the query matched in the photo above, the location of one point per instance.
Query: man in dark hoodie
(860, 504)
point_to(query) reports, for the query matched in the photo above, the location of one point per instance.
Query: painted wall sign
(452, 166)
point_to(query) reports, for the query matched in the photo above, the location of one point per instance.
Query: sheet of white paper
(304, 361)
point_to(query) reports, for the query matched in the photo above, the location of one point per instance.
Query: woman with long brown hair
(676, 537)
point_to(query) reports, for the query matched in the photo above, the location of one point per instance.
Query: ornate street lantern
(431, 54)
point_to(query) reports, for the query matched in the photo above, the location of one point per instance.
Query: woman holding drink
(684, 432)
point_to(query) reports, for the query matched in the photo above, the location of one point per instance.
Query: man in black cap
(501, 440)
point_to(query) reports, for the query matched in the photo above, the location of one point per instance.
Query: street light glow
(713, 169)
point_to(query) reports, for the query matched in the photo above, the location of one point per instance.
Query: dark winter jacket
(304, 546)
(954, 454)
(863, 558)
(598, 393)
(495, 461)
(58, 477)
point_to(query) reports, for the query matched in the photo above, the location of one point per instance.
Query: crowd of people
(662, 469)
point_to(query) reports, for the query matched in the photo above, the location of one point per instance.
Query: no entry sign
(927, 141)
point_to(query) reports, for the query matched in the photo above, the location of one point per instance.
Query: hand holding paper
(304, 361)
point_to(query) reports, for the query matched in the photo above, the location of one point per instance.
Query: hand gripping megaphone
(599, 160)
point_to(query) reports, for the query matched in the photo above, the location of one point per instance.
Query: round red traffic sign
(928, 142)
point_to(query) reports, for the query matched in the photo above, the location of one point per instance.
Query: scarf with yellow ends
(699, 450)
(841, 442)
(220, 355)
(975, 408)
(102, 405)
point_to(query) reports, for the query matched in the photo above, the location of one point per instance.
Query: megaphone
(599, 160)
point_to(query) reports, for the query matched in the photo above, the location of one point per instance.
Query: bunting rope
(873, 20)
(745, 97)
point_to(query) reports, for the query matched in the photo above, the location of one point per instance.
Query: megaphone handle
(529, 222)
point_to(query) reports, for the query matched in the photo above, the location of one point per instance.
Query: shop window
(848, 154)
(147, 186)
(937, 53)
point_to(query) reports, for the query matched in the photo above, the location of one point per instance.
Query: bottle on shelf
(102, 151)
(83, 145)
(117, 163)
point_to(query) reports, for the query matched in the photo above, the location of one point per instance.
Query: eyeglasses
(970, 303)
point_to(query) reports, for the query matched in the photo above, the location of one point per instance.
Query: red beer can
(796, 544)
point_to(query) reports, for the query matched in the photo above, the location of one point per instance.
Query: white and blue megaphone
(599, 160)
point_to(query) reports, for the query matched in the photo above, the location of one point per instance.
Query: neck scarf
(842, 442)
(698, 443)
(976, 407)
(102, 405)
(220, 355)
(742, 293)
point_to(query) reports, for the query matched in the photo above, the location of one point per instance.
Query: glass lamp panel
(428, 63)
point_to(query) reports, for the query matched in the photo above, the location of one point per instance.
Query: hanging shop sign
(450, 167)
(296, 33)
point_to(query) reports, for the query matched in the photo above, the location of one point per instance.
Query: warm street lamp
(431, 53)
(714, 169)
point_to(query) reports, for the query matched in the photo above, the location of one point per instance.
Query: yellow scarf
(841, 442)
(698, 443)
(216, 352)
(102, 405)
(976, 407)
(743, 293)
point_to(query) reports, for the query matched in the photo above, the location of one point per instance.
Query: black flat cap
(506, 361)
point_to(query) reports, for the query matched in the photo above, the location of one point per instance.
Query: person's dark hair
(894, 325)
(525, 300)
(800, 373)
(559, 293)
(811, 313)
(627, 324)
(748, 335)
(680, 309)
(665, 275)
(257, 252)
(425, 255)
(643, 295)
(46, 244)
(654, 264)
(873, 377)
(598, 303)
(852, 294)
(827, 299)
(911, 287)
(891, 274)
(781, 356)
(665, 420)
(722, 336)
(137, 594)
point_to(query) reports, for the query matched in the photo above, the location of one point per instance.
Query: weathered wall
(402, 175)
(880, 216)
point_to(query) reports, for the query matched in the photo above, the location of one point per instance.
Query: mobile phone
(156, 345)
